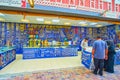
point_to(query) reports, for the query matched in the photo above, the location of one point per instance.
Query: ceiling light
(47, 22)
(67, 23)
(99, 25)
(2, 19)
(25, 20)
(82, 22)
(40, 19)
(55, 20)
(93, 23)
(1, 14)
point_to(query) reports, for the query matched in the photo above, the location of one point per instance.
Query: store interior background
(19, 30)
(41, 38)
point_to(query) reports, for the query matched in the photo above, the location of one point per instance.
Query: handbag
(92, 66)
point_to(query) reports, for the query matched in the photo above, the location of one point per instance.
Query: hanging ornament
(31, 2)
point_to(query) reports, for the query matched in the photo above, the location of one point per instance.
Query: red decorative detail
(105, 5)
(65, 1)
(23, 5)
(76, 30)
(71, 2)
(96, 6)
(52, 0)
(87, 3)
(113, 5)
(119, 8)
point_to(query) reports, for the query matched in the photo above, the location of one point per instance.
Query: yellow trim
(60, 16)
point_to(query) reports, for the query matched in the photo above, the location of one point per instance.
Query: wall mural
(118, 35)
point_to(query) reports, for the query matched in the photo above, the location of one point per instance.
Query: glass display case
(48, 41)
(7, 55)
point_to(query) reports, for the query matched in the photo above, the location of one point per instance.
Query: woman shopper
(109, 63)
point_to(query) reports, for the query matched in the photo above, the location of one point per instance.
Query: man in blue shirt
(99, 53)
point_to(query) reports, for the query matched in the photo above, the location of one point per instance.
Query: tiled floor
(67, 68)
(76, 73)
(20, 65)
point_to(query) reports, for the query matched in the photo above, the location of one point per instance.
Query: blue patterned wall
(19, 36)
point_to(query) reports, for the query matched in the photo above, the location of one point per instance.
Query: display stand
(33, 53)
(87, 57)
(117, 58)
(7, 55)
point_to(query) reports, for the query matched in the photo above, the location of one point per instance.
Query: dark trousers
(99, 65)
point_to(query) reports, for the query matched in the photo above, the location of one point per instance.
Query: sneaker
(110, 71)
(95, 73)
(101, 74)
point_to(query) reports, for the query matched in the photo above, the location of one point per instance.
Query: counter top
(89, 49)
(4, 49)
(51, 47)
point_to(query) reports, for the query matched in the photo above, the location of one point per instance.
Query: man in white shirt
(84, 43)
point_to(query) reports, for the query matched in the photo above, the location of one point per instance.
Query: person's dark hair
(117, 45)
(110, 43)
(98, 37)
(86, 38)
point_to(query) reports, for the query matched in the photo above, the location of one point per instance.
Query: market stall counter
(7, 55)
(50, 52)
(117, 57)
(87, 57)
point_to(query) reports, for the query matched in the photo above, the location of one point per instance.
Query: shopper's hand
(92, 56)
(106, 57)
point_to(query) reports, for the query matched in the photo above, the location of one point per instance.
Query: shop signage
(13, 3)
(88, 5)
(110, 14)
